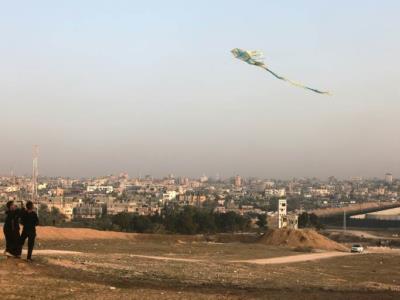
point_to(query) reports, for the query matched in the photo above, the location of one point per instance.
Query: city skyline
(152, 88)
(215, 176)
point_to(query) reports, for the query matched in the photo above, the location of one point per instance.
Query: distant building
(11, 189)
(275, 192)
(87, 211)
(203, 178)
(238, 181)
(59, 192)
(389, 178)
(169, 195)
(99, 188)
(114, 208)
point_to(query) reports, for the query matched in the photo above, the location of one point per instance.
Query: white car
(357, 248)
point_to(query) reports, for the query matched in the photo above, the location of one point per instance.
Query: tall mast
(35, 174)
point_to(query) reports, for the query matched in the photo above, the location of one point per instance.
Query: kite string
(298, 84)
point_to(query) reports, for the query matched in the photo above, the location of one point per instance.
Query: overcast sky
(150, 87)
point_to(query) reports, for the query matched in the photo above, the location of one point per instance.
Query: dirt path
(48, 251)
(293, 258)
(168, 258)
(263, 261)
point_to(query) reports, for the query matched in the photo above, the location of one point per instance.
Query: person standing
(11, 230)
(29, 220)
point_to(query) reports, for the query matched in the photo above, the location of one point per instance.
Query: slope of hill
(56, 233)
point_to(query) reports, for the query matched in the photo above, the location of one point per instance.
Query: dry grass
(108, 269)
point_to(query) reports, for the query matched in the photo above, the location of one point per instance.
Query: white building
(275, 192)
(168, 196)
(100, 188)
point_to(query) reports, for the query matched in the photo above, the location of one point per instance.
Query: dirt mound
(300, 239)
(55, 233)
(50, 233)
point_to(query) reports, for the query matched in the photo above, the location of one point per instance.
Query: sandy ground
(171, 267)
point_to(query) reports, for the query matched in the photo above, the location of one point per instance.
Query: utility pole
(344, 219)
(35, 174)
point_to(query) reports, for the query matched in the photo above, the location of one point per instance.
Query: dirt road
(167, 258)
(49, 252)
(262, 261)
(293, 258)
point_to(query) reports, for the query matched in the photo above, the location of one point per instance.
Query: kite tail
(294, 82)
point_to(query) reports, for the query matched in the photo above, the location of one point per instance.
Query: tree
(303, 220)
(51, 216)
(185, 222)
(142, 224)
(262, 221)
(205, 221)
(123, 221)
(231, 222)
(309, 221)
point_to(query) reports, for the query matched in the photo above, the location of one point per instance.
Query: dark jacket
(11, 224)
(30, 220)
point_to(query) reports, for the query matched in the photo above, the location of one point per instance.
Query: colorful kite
(256, 58)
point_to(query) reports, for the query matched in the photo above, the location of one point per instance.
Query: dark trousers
(12, 242)
(31, 242)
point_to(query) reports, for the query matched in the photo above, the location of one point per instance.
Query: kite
(256, 58)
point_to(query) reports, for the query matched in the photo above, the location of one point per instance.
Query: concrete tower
(282, 213)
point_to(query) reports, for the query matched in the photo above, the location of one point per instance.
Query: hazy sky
(150, 87)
